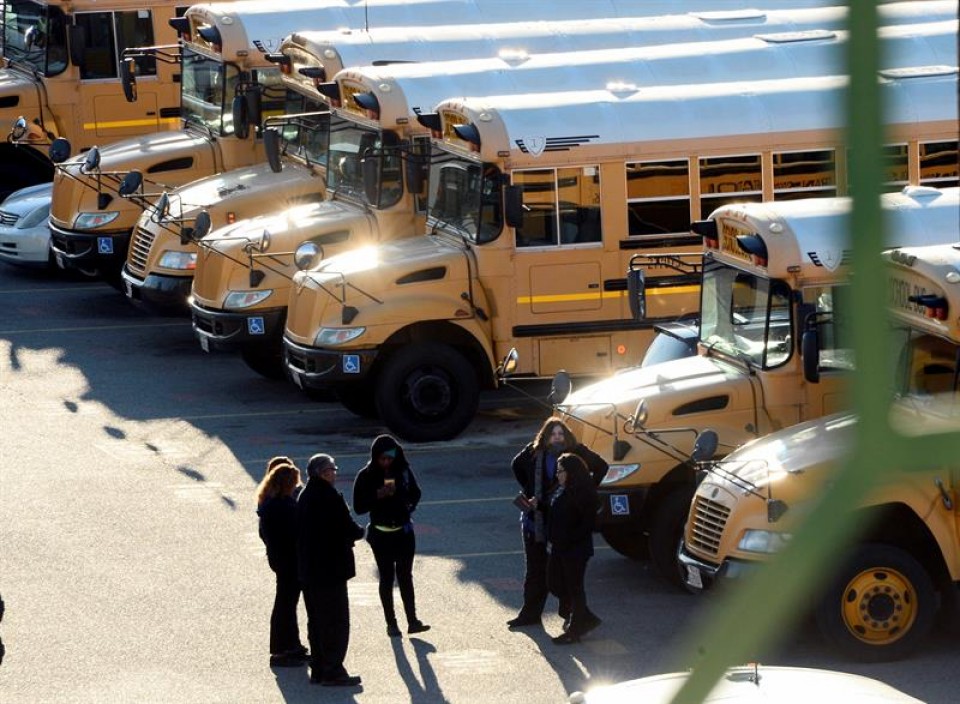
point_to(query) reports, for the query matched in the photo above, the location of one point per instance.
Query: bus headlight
(337, 336)
(244, 299)
(88, 221)
(178, 260)
(618, 472)
(766, 541)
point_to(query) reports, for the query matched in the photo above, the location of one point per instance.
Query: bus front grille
(140, 250)
(709, 519)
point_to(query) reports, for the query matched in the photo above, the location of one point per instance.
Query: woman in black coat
(277, 509)
(534, 468)
(573, 511)
(387, 489)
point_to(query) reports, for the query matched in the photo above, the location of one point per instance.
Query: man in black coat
(326, 533)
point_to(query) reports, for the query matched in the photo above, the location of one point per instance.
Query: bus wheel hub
(878, 605)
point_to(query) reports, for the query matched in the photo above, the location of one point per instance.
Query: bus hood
(224, 262)
(693, 392)
(384, 283)
(19, 96)
(166, 160)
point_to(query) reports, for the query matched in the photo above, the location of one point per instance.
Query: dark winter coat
(326, 533)
(390, 511)
(278, 531)
(570, 523)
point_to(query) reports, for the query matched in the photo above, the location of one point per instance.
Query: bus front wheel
(880, 606)
(427, 392)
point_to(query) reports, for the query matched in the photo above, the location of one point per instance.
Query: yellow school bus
(229, 312)
(59, 78)
(537, 204)
(906, 566)
(770, 272)
(161, 264)
(226, 71)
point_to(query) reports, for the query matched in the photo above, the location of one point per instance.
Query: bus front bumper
(156, 293)
(313, 368)
(218, 330)
(700, 575)
(101, 252)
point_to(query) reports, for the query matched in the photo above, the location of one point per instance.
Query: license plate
(59, 258)
(693, 577)
(204, 344)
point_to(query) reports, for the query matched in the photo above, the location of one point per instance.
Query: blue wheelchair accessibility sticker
(619, 506)
(255, 325)
(351, 363)
(105, 245)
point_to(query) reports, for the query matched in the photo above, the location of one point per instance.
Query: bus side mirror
(560, 388)
(637, 293)
(202, 225)
(416, 175)
(513, 205)
(271, 144)
(705, 446)
(509, 364)
(128, 79)
(60, 150)
(131, 183)
(241, 118)
(810, 349)
(370, 168)
(78, 45)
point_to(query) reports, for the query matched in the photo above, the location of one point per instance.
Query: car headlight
(245, 299)
(35, 217)
(766, 541)
(337, 336)
(178, 260)
(618, 472)
(88, 221)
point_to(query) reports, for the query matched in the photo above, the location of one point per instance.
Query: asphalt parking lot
(131, 569)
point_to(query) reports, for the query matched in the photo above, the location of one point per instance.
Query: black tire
(666, 533)
(879, 607)
(626, 542)
(358, 398)
(265, 360)
(427, 392)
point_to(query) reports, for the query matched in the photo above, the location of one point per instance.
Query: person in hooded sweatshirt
(387, 489)
(535, 469)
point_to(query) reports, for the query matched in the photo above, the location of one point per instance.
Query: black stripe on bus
(655, 282)
(591, 327)
(662, 243)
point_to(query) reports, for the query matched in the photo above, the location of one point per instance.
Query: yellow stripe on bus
(119, 124)
(565, 297)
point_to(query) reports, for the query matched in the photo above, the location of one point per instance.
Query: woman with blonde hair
(277, 509)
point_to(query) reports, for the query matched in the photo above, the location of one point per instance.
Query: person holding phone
(387, 489)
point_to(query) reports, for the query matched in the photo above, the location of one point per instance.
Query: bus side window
(100, 59)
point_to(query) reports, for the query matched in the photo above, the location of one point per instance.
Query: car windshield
(207, 91)
(35, 35)
(465, 197)
(745, 316)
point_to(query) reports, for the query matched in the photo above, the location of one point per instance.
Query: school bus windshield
(465, 198)
(746, 316)
(35, 35)
(207, 92)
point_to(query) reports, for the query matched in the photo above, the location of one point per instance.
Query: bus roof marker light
(936, 306)
(776, 228)
(755, 247)
(708, 230)
(470, 134)
(953, 277)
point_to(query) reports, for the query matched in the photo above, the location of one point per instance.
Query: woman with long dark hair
(535, 469)
(573, 511)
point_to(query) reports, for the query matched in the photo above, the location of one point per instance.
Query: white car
(754, 683)
(24, 229)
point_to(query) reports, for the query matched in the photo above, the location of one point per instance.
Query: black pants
(284, 630)
(567, 574)
(534, 577)
(328, 627)
(393, 552)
